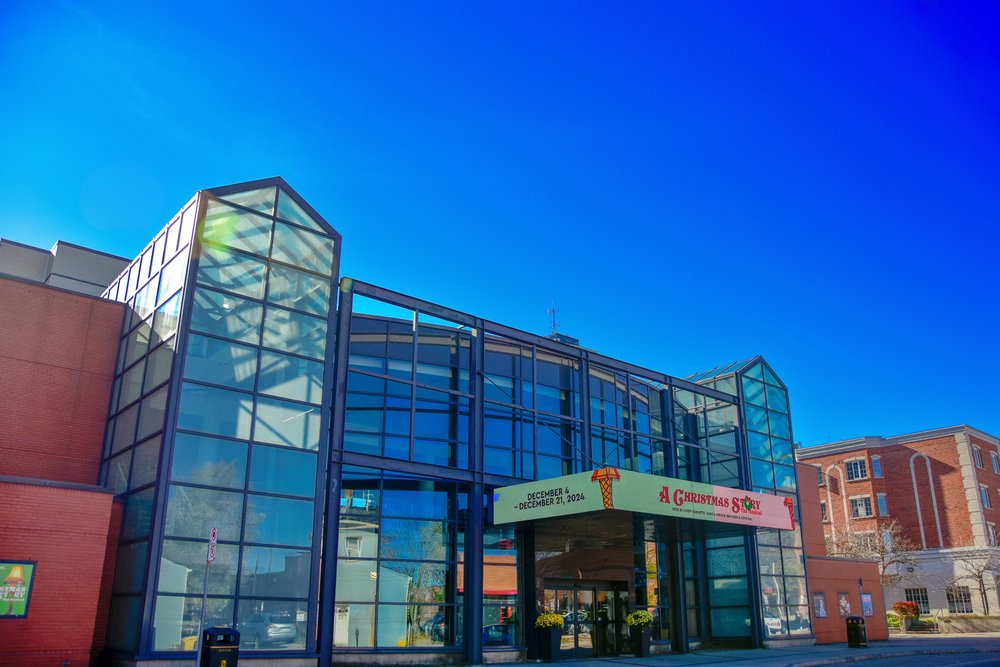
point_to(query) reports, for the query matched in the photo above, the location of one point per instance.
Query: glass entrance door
(593, 614)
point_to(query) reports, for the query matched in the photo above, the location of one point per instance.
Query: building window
(918, 595)
(883, 510)
(822, 512)
(984, 494)
(352, 546)
(991, 534)
(876, 466)
(977, 454)
(856, 469)
(959, 600)
(861, 507)
(820, 479)
(995, 460)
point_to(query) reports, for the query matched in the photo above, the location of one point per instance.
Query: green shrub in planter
(639, 618)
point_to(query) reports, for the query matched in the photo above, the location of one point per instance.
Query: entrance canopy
(611, 488)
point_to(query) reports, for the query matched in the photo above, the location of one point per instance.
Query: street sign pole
(213, 536)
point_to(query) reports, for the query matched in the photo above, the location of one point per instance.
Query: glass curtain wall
(247, 398)
(772, 470)
(152, 288)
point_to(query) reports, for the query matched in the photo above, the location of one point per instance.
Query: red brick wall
(897, 484)
(65, 530)
(812, 520)
(57, 358)
(832, 576)
(985, 475)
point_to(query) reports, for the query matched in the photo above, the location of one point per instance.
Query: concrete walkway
(808, 656)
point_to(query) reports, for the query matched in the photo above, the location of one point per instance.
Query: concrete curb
(887, 655)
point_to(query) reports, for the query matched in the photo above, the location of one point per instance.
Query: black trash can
(857, 635)
(220, 647)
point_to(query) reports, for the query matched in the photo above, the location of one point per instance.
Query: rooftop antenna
(555, 323)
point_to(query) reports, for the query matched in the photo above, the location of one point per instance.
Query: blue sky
(691, 183)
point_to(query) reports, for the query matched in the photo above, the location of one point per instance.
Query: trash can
(220, 647)
(857, 636)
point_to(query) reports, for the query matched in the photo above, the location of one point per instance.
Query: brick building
(942, 488)
(57, 361)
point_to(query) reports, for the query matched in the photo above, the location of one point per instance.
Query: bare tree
(888, 546)
(977, 566)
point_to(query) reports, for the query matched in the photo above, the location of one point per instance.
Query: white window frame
(868, 505)
(883, 508)
(977, 456)
(984, 496)
(859, 463)
(823, 513)
(919, 596)
(995, 460)
(876, 467)
(991, 533)
(959, 595)
(821, 478)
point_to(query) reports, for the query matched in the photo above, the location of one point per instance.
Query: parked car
(267, 628)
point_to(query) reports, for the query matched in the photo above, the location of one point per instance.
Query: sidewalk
(808, 656)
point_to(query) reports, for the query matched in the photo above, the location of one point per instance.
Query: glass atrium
(346, 441)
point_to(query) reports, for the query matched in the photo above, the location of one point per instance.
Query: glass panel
(220, 362)
(356, 579)
(176, 620)
(193, 512)
(756, 419)
(132, 384)
(172, 275)
(125, 429)
(299, 290)
(130, 576)
(306, 250)
(276, 572)
(753, 391)
(280, 470)
(123, 626)
(726, 562)
(290, 377)
(414, 540)
(727, 592)
(166, 318)
(293, 332)
(289, 424)
(158, 367)
(289, 210)
(138, 514)
(118, 472)
(231, 271)
(211, 461)
(279, 521)
(777, 399)
(734, 622)
(784, 477)
(182, 568)
(354, 625)
(145, 463)
(271, 624)
(237, 229)
(151, 413)
(213, 410)
(261, 199)
(227, 316)
(145, 300)
(138, 343)
(762, 474)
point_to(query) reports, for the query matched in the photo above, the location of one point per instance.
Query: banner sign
(15, 587)
(611, 488)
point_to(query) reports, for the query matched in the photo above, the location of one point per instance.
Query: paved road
(966, 650)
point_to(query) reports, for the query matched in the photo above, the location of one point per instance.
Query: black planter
(641, 638)
(549, 643)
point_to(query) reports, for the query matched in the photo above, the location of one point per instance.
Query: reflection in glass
(279, 521)
(226, 315)
(296, 246)
(199, 459)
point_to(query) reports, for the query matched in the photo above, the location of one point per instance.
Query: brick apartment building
(942, 488)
